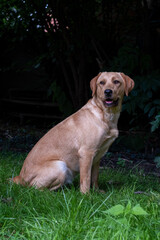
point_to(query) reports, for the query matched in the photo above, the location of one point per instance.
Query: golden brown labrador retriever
(78, 143)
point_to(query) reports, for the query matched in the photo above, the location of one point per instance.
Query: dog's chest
(106, 142)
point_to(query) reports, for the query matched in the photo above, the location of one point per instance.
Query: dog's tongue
(109, 101)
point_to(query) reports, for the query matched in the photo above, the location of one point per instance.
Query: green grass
(27, 213)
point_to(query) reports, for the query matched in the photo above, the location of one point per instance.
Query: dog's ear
(93, 85)
(129, 83)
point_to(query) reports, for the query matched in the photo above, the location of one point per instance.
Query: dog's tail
(17, 180)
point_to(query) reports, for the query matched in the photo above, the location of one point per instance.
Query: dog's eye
(116, 81)
(102, 82)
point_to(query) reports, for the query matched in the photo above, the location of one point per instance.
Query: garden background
(50, 50)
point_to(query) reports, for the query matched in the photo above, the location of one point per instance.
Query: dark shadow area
(50, 50)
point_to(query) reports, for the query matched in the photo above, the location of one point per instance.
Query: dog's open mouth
(110, 102)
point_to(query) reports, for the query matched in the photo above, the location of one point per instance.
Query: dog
(78, 143)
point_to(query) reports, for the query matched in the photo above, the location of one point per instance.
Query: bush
(144, 98)
(143, 103)
(155, 124)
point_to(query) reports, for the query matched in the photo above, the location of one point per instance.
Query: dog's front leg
(95, 174)
(85, 172)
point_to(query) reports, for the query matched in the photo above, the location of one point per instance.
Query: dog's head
(110, 87)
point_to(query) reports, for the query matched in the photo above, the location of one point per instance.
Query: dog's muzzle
(110, 102)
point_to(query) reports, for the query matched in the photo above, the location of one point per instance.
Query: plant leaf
(157, 101)
(116, 210)
(157, 161)
(151, 112)
(138, 210)
(147, 107)
(128, 208)
(123, 221)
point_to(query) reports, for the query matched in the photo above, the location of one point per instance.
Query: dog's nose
(108, 92)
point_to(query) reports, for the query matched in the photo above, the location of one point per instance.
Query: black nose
(108, 92)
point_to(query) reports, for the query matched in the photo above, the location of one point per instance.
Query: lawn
(129, 208)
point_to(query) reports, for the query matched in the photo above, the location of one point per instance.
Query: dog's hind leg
(53, 175)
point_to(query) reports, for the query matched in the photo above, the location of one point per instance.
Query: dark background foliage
(50, 50)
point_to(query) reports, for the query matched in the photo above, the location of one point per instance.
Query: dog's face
(110, 87)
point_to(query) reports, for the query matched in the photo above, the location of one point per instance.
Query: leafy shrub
(143, 96)
(59, 96)
(157, 161)
(144, 99)
(155, 124)
(131, 60)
